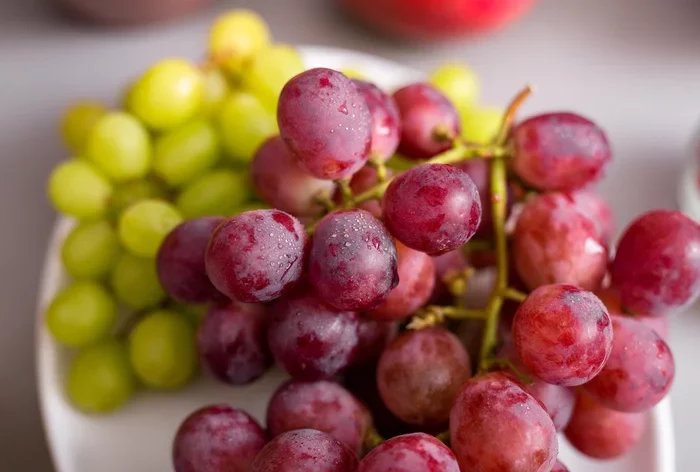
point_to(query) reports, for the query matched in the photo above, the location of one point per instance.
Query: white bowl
(138, 437)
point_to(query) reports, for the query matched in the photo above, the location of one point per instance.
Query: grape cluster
(354, 281)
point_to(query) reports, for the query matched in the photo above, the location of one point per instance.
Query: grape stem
(378, 163)
(514, 294)
(436, 314)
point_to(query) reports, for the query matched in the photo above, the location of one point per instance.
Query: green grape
(128, 193)
(400, 163)
(144, 225)
(120, 146)
(77, 122)
(100, 378)
(135, 283)
(244, 125)
(269, 71)
(78, 189)
(186, 152)
(480, 124)
(90, 250)
(81, 314)
(235, 37)
(192, 313)
(168, 94)
(216, 193)
(352, 73)
(162, 349)
(459, 83)
(216, 88)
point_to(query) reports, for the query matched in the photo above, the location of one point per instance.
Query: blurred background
(631, 65)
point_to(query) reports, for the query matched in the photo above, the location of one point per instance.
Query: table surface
(632, 65)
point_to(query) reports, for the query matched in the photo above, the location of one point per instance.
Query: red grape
(496, 426)
(559, 467)
(656, 269)
(322, 405)
(257, 255)
(364, 179)
(372, 338)
(326, 122)
(559, 151)
(352, 260)
(416, 282)
(217, 438)
(180, 261)
(310, 341)
(563, 334)
(554, 242)
(433, 208)
(594, 206)
(639, 372)
(305, 449)
(281, 180)
(420, 373)
(232, 342)
(386, 124)
(417, 452)
(429, 121)
(603, 433)
(611, 299)
(446, 264)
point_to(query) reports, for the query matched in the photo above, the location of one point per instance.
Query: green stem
(515, 295)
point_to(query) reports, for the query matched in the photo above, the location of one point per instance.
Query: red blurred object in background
(130, 12)
(437, 19)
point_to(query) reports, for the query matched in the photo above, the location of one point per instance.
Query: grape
(594, 206)
(134, 191)
(493, 411)
(180, 261)
(555, 243)
(559, 151)
(364, 179)
(372, 338)
(305, 449)
(563, 334)
(256, 256)
(639, 372)
(135, 282)
(418, 452)
(168, 94)
(280, 180)
(232, 342)
(78, 189)
(244, 125)
(100, 379)
(603, 433)
(162, 350)
(185, 152)
(144, 225)
(420, 374)
(194, 313)
(322, 405)
(559, 467)
(386, 124)
(120, 147)
(457, 82)
(611, 299)
(433, 208)
(310, 341)
(268, 72)
(656, 269)
(446, 265)
(217, 438)
(352, 260)
(480, 125)
(235, 37)
(81, 314)
(416, 282)
(216, 193)
(326, 122)
(90, 250)
(77, 122)
(429, 122)
(216, 89)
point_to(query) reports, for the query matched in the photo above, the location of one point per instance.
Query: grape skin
(447, 264)
(559, 467)
(611, 299)
(418, 452)
(433, 208)
(459, 83)
(493, 411)
(186, 152)
(90, 250)
(559, 151)
(235, 37)
(594, 206)
(135, 283)
(216, 193)
(326, 122)
(563, 334)
(256, 256)
(145, 224)
(217, 438)
(322, 405)
(420, 374)
(386, 123)
(372, 338)
(268, 72)
(307, 450)
(352, 260)
(78, 189)
(232, 342)
(639, 372)
(554, 242)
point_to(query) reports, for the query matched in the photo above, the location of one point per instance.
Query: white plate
(138, 437)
